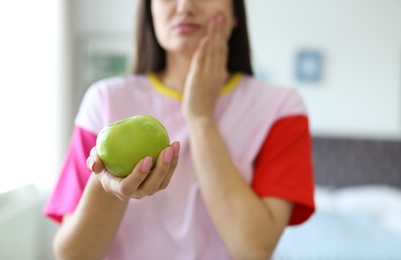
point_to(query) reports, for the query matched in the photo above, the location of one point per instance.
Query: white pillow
(369, 196)
(324, 198)
(376, 200)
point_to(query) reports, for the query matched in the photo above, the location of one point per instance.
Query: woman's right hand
(142, 181)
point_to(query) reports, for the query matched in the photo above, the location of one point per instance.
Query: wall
(91, 19)
(360, 93)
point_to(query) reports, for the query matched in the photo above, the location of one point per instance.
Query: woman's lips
(187, 27)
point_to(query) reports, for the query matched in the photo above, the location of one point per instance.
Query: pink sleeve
(73, 177)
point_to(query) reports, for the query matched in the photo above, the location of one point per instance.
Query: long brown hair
(151, 57)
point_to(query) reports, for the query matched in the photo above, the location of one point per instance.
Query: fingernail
(176, 147)
(146, 164)
(168, 155)
(213, 23)
(220, 18)
(91, 163)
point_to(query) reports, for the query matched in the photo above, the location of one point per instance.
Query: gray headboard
(349, 162)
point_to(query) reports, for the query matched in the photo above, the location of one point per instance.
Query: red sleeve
(73, 178)
(284, 168)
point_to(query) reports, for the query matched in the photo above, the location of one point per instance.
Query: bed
(358, 200)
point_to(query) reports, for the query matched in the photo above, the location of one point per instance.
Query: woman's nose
(186, 6)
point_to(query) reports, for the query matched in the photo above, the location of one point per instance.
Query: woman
(238, 174)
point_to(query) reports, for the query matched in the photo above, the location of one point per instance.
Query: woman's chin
(186, 47)
(187, 51)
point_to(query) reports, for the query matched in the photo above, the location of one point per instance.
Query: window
(30, 51)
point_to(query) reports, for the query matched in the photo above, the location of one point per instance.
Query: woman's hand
(208, 72)
(142, 181)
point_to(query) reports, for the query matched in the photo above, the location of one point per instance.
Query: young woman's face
(180, 24)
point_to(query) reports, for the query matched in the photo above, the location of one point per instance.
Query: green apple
(122, 144)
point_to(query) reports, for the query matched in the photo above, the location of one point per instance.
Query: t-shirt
(264, 126)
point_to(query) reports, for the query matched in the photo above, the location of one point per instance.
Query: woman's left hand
(207, 73)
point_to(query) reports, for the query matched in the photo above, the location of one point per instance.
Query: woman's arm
(249, 226)
(90, 230)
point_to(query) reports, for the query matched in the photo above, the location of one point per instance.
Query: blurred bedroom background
(344, 57)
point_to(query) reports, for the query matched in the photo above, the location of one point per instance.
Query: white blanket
(352, 223)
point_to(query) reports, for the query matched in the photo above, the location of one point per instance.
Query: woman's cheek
(228, 28)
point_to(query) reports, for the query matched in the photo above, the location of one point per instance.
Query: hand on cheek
(216, 56)
(208, 71)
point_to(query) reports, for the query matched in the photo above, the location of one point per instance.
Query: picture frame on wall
(309, 66)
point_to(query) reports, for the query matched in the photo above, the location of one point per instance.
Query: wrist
(95, 184)
(201, 121)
